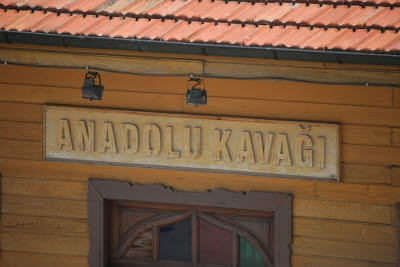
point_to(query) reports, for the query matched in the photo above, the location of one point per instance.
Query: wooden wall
(352, 223)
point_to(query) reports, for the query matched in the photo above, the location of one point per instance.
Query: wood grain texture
(20, 131)
(42, 188)
(358, 115)
(371, 194)
(51, 244)
(44, 225)
(370, 154)
(396, 137)
(342, 211)
(396, 175)
(73, 96)
(35, 206)
(312, 261)
(344, 250)
(396, 97)
(20, 149)
(20, 112)
(139, 65)
(362, 173)
(345, 231)
(366, 135)
(23, 259)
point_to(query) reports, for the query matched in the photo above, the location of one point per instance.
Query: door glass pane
(175, 241)
(216, 244)
(249, 256)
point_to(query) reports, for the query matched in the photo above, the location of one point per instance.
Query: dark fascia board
(99, 190)
(277, 53)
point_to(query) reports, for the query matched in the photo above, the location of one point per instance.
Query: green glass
(249, 256)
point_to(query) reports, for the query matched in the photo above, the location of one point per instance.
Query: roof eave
(198, 48)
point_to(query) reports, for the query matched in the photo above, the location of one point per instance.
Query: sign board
(197, 143)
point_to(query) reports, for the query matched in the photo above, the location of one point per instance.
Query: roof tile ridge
(251, 36)
(177, 28)
(292, 28)
(376, 15)
(310, 37)
(367, 38)
(257, 33)
(201, 30)
(188, 3)
(119, 26)
(287, 14)
(238, 10)
(220, 2)
(20, 16)
(226, 32)
(157, 6)
(151, 23)
(337, 37)
(348, 14)
(320, 13)
(287, 28)
(259, 12)
(69, 22)
(100, 20)
(178, 25)
(392, 42)
(46, 15)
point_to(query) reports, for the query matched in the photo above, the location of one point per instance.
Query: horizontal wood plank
(312, 261)
(366, 135)
(131, 64)
(42, 188)
(10, 111)
(371, 194)
(346, 250)
(51, 244)
(50, 207)
(396, 137)
(20, 131)
(285, 110)
(44, 225)
(342, 211)
(396, 97)
(345, 231)
(396, 175)
(111, 99)
(370, 154)
(362, 173)
(20, 149)
(24, 259)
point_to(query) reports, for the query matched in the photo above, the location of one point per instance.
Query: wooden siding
(352, 223)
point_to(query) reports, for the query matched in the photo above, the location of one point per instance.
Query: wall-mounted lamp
(89, 89)
(196, 96)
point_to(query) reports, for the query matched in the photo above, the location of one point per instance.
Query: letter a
(107, 138)
(282, 151)
(245, 148)
(64, 136)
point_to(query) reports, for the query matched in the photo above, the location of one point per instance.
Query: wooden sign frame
(305, 126)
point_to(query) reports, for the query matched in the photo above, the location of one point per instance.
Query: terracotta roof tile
(266, 35)
(237, 35)
(347, 25)
(184, 31)
(386, 18)
(157, 29)
(247, 13)
(140, 7)
(275, 11)
(222, 11)
(104, 26)
(78, 25)
(209, 34)
(168, 7)
(131, 27)
(378, 41)
(349, 39)
(53, 22)
(359, 16)
(320, 39)
(332, 15)
(195, 9)
(304, 13)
